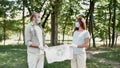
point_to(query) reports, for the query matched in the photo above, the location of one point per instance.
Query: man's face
(37, 15)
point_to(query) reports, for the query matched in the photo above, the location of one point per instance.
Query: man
(34, 42)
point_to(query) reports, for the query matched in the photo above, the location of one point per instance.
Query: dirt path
(102, 60)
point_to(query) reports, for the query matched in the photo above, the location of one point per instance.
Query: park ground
(15, 56)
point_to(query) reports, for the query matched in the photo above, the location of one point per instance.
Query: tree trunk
(106, 40)
(106, 34)
(54, 29)
(4, 32)
(114, 22)
(64, 30)
(23, 18)
(43, 24)
(4, 29)
(116, 37)
(19, 36)
(87, 23)
(91, 19)
(44, 14)
(54, 21)
(109, 24)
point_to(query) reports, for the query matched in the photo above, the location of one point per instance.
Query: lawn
(114, 55)
(15, 57)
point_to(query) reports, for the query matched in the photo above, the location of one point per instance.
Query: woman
(80, 42)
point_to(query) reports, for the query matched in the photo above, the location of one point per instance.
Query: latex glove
(41, 47)
(46, 46)
(73, 46)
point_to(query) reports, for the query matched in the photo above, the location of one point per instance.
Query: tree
(109, 24)
(114, 23)
(23, 23)
(54, 20)
(5, 7)
(91, 20)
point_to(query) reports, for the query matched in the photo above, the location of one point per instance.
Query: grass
(14, 56)
(114, 55)
(94, 64)
(100, 49)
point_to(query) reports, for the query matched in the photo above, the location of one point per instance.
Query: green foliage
(101, 19)
(7, 12)
(68, 11)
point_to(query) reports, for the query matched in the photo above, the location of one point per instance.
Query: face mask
(38, 20)
(77, 24)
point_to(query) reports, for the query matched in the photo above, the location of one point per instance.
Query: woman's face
(77, 24)
(76, 20)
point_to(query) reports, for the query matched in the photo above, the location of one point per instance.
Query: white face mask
(77, 24)
(38, 20)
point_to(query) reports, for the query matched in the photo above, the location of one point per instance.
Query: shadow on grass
(12, 56)
(114, 55)
(94, 64)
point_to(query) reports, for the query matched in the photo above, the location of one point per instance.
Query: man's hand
(46, 46)
(73, 45)
(41, 47)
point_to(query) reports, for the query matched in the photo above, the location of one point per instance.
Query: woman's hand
(41, 47)
(73, 46)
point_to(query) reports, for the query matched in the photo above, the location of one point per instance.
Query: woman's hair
(82, 23)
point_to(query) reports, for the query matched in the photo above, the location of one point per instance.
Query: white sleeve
(87, 35)
(28, 36)
(73, 38)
